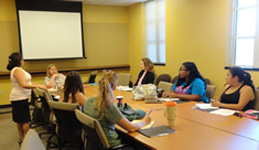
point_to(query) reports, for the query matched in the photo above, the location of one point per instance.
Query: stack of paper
(223, 112)
(124, 88)
(206, 106)
(168, 99)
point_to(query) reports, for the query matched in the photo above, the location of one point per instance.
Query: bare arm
(80, 98)
(172, 94)
(125, 124)
(246, 94)
(51, 82)
(186, 97)
(19, 76)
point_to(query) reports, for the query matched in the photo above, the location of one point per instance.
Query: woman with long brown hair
(73, 91)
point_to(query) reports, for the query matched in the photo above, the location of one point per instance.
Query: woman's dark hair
(194, 73)
(14, 61)
(243, 77)
(73, 84)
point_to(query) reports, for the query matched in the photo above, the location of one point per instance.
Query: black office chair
(163, 77)
(37, 114)
(48, 116)
(69, 129)
(91, 78)
(94, 135)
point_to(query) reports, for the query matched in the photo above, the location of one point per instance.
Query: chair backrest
(44, 96)
(162, 77)
(69, 127)
(165, 85)
(95, 136)
(34, 98)
(207, 81)
(256, 99)
(32, 141)
(210, 91)
(92, 76)
(175, 79)
(124, 79)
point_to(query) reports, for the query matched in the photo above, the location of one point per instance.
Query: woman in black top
(238, 93)
(146, 74)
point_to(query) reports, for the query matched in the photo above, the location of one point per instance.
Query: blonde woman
(102, 108)
(53, 78)
(146, 74)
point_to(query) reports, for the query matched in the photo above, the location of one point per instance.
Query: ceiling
(109, 2)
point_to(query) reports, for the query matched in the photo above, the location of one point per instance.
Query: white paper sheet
(206, 106)
(223, 112)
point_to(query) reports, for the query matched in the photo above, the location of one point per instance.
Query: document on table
(223, 112)
(168, 99)
(124, 88)
(206, 106)
(146, 126)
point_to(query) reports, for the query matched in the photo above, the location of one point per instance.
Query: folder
(157, 131)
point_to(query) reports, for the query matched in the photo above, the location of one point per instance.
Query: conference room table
(195, 129)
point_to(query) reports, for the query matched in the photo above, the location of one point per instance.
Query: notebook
(157, 131)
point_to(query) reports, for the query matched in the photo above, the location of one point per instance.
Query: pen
(150, 112)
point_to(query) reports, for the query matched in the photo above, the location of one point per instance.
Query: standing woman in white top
(21, 91)
(53, 78)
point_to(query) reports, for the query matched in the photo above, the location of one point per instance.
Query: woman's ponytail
(248, 81)
(243, 76)
(105, 91)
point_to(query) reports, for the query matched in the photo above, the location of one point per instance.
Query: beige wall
(105, 38)
(196, 31)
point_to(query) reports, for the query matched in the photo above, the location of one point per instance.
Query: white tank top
(18, 92)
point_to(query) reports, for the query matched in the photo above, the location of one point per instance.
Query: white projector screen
(50, 35)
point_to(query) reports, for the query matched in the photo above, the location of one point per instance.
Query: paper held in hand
(146, 126)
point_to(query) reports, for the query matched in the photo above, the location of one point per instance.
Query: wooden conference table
(196, 130)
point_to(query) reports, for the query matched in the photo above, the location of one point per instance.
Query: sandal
(20, 142)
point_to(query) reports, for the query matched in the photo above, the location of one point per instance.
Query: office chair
(175, 79)
(166, 86)
(48, 119)
(162, 77)
(68, 128)
(91, 78)
(207, 81)
(124, 79)
(32, 141)
(210, 91)
(94, 135)
(256, 99)
(37, 114)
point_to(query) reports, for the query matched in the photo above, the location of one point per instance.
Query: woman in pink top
(146, 75)
(21, 91)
